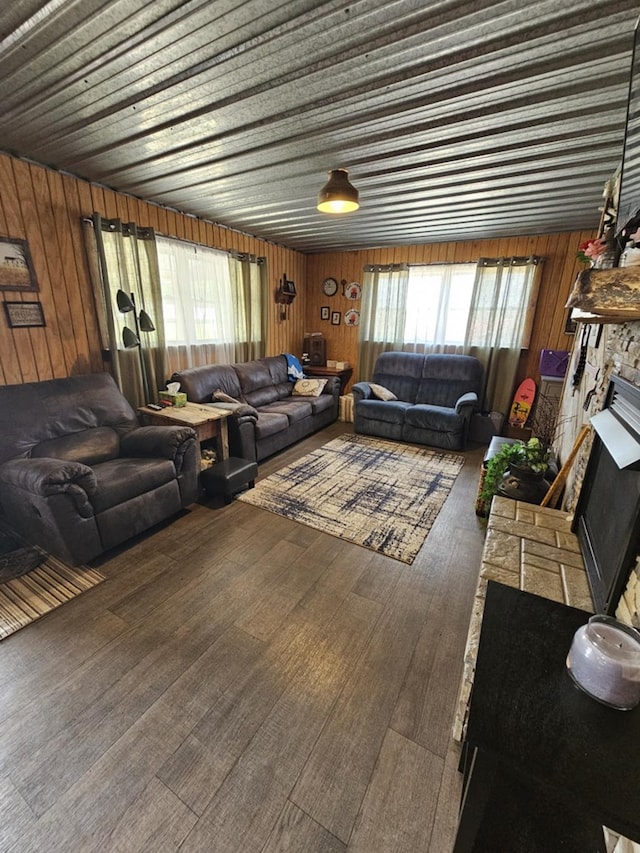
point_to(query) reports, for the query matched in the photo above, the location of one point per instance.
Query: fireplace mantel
(606, 296)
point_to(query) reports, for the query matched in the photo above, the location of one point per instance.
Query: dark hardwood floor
(243, 683)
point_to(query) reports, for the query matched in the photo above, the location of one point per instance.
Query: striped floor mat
(30, 596)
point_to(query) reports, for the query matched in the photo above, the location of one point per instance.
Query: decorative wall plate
(329, 287)
(351, 317)
(353, 290)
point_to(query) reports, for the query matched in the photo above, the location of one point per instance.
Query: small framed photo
(335, 318)
(20, 314)
(16, 267)
(324, 312)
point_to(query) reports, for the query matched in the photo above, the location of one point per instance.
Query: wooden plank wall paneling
(45, 208)
(557, 276)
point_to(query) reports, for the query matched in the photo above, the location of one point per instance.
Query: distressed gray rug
(379, 494)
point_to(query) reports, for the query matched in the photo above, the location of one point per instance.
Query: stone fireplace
(612, 350)
(607, 517)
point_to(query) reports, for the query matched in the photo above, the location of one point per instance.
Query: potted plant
(525, 462)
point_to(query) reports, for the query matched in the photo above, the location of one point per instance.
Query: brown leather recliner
(79, 475)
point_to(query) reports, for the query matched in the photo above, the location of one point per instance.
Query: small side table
(343, 375)
(209, 423)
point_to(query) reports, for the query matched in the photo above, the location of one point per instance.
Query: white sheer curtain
(213, 304)
(499, 325)
(437, 307)
(197, 304)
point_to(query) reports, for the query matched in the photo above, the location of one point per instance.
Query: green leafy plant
(534, 454)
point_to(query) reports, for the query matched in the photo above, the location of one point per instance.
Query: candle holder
(604, 661)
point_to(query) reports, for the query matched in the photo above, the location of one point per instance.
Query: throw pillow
(381, 392)
(220, 396)
(241, 410)
(309, 387)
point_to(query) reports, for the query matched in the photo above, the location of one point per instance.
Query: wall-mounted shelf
(606, 296)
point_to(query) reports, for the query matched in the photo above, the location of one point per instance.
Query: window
(484, 310)
(438, 303)
(196, 291)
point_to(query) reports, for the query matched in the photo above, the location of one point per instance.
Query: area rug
(378, 494)
(28, 597)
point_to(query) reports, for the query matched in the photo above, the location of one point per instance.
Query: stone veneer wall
(618, 352)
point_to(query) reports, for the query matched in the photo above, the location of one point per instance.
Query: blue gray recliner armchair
(436, 396)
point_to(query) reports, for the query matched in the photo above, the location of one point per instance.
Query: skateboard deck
(522, 403)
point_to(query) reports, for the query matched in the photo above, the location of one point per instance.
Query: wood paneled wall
(557, 276)
(45, 208)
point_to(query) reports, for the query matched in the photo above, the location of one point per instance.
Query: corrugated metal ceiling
(456, 120)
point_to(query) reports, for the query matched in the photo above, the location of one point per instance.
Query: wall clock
(353, 290)
(329, 287)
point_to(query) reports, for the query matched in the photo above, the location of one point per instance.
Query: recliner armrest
(361, 391)
(45, 476)
(166, 442)
(466, 401)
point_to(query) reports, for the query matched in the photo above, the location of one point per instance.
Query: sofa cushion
(321, 403)
(445, 378)
(400, 372)
(284, 389)
(89, 446)
(294, 409)
(277, 366)
(309, 387)
(256, 383)
(392, 412)
(119, 480)
(270, 423)
(198, 383)
(433, 417)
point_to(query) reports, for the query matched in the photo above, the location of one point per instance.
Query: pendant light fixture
(338, 195)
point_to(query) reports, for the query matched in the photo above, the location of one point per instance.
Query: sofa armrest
(332, 386)
(468, 402)
(361, 391)
(44, 476)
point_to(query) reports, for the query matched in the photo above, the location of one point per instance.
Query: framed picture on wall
(335, 318)
(324, 312)
(16, 268)
(21, 314)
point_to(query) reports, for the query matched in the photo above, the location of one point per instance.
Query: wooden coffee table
(209, 423)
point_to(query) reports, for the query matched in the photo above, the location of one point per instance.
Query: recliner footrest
(229, 476)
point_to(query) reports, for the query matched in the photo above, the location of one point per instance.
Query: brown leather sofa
(79, 475)
(267, 416)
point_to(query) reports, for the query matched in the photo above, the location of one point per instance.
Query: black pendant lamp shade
(338, 195)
